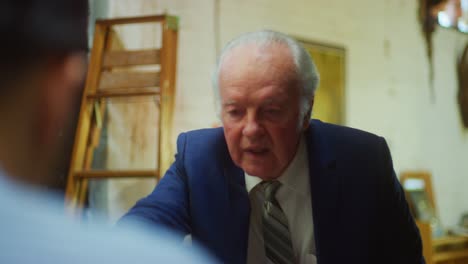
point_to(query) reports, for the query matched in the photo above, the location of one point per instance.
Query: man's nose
(252, 128)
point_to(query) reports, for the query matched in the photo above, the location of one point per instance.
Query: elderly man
(271, 186)
(42, 66)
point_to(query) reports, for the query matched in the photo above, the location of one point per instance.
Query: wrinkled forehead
(258, 62)
(251, 52)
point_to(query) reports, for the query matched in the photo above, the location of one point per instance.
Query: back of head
(32, 29)
(42, 66)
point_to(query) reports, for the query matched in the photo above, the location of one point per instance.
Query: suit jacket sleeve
(168, 204)
(401, 241)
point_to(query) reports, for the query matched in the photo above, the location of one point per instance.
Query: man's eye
(234, 112)
(272, 111)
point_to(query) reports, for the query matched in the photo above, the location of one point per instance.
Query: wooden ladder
(103, 83)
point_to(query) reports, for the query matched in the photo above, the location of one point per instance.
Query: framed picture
(329, 103)
(418, 189)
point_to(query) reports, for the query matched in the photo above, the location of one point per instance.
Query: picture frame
(419, 194)
(330, 60)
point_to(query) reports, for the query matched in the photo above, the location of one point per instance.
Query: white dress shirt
(295, 200)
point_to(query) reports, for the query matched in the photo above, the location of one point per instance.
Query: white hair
(304, 66)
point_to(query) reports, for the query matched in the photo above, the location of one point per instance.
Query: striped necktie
(276, 236)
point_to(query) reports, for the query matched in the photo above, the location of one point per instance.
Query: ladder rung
(107, 174)
(131, 20)
(131, 58)
(116, 80)
(125, 93)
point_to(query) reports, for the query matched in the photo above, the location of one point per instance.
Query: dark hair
(32, 29)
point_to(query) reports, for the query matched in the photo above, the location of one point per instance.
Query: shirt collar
(291, 177)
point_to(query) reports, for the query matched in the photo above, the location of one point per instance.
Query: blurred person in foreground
(273, 186)
(42, 66)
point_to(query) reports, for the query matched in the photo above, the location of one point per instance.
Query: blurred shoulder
(35, 230)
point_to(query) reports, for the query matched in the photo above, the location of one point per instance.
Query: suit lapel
(325, 191)
(238, 214)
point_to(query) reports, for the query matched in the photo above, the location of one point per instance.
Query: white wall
(387, 81)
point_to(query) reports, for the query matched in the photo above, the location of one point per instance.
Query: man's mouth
(256, 151)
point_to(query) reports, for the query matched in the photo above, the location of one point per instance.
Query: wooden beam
(168, 84)
(119, 80)
(125, 93)
(426, 237)
(84, 120)
(131, 20)
(452, 240)
(131, 58)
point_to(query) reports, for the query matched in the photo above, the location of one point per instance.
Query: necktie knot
(271, 187)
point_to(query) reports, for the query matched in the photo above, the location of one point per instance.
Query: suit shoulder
(344, 136)
(205, 133)
(350, 131)
(206, 140)
(204, 136)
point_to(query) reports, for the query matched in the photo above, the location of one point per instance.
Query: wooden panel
(446, 241)
(452, 248)
(461, 255)
(119, 80)
(107, 174)
(131, 58)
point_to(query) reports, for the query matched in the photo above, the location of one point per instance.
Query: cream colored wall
(195, 55)
(387, 80)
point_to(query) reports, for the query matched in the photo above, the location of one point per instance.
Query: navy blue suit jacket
(360, 214)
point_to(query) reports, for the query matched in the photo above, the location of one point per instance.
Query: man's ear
(62, 77)
(307, 116)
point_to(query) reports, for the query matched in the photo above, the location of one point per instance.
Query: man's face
(260, 108)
